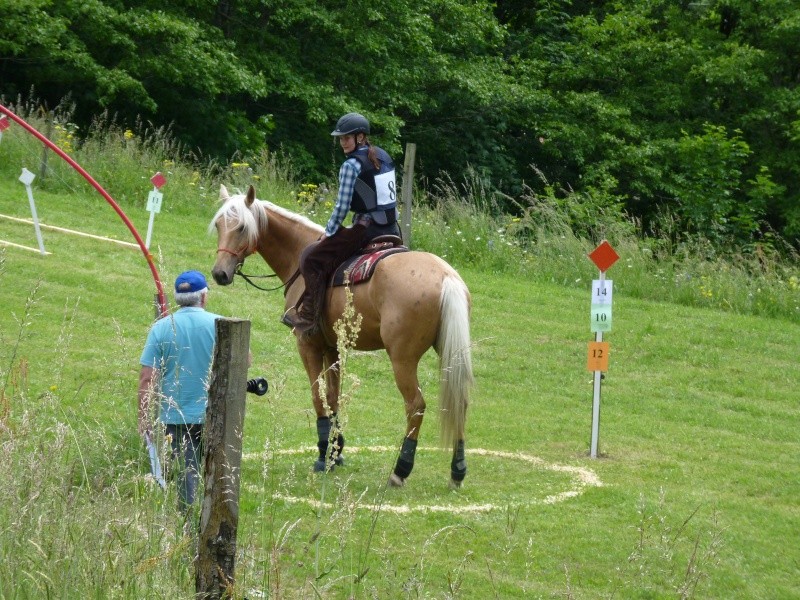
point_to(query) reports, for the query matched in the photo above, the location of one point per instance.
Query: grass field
(695, 493)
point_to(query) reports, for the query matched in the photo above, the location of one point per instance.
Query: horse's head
(238, 223)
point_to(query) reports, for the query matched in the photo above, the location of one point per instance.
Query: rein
(286, 285)
(249, 279)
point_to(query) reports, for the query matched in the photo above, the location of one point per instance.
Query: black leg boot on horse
(330, 444)
(458, 466)
(405, 463)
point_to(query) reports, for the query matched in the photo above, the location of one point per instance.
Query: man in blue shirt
(176, 362)
(367, 187)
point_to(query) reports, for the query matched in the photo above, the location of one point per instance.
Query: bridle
(245, 251)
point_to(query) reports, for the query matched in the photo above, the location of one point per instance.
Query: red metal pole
(162, 301)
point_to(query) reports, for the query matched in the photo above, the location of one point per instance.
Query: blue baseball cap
(190, 281)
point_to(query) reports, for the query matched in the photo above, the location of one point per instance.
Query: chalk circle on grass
(496, 480)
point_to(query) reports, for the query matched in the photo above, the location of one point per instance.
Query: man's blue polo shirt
(181, 347)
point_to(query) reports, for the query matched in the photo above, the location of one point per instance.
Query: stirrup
(290, 318)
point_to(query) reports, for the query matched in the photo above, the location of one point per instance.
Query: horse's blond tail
(455, 359)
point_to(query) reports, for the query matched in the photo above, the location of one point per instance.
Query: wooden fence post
(407, 192)
(219, 516)
(49, 135)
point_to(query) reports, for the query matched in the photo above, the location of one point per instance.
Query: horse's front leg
(331, 438)
(315, 359)
(405, 374)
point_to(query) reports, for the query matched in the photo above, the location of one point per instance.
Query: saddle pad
(359, 268)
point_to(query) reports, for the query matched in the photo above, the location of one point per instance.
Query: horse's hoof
(319, 464)
(455, 485)
(396, 481)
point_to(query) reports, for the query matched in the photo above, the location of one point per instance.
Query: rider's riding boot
(306, 318)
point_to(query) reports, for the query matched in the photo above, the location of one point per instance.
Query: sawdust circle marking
(582, 478)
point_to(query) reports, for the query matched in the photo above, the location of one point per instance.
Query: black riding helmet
(351, 123)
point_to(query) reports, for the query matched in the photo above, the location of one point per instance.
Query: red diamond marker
(604, 256)
(4, 124)
(158, 180)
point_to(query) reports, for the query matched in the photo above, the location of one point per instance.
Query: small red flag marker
(604, 256)
(4, 124)
(158, 180)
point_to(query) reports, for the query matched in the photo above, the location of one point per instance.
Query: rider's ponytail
(372, 153)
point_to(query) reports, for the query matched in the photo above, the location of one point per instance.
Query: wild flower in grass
(307, 194)
(194, 179)
(128, 135)
(240, 165)
(705, 290)
(65, 136)
(794, 283)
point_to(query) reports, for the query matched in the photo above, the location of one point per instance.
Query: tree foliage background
(639, 107)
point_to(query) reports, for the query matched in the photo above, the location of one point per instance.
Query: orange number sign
(598, 356)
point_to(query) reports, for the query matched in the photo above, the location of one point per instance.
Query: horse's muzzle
(221, 276)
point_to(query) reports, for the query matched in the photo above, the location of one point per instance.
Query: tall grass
(76, 518)
(123, 161)
(459, 222)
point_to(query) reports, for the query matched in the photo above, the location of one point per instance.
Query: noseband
(249, 278)
(244, 248)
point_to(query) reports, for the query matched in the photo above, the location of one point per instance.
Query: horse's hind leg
(405, 374)
(458, 466)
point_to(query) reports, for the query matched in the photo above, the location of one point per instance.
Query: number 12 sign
(598, 356)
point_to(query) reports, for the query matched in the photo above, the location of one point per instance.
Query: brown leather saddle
(360, 267)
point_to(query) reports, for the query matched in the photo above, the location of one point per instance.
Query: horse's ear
(251, 196)
(223, 192)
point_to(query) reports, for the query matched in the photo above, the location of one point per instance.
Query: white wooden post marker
(27, 179)
(154, 203)
(602, 293)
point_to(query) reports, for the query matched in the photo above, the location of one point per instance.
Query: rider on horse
(367, 187)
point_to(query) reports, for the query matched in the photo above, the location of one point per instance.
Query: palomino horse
(413, 301)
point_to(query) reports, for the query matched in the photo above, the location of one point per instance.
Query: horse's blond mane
(306, 222)
(254, 218)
